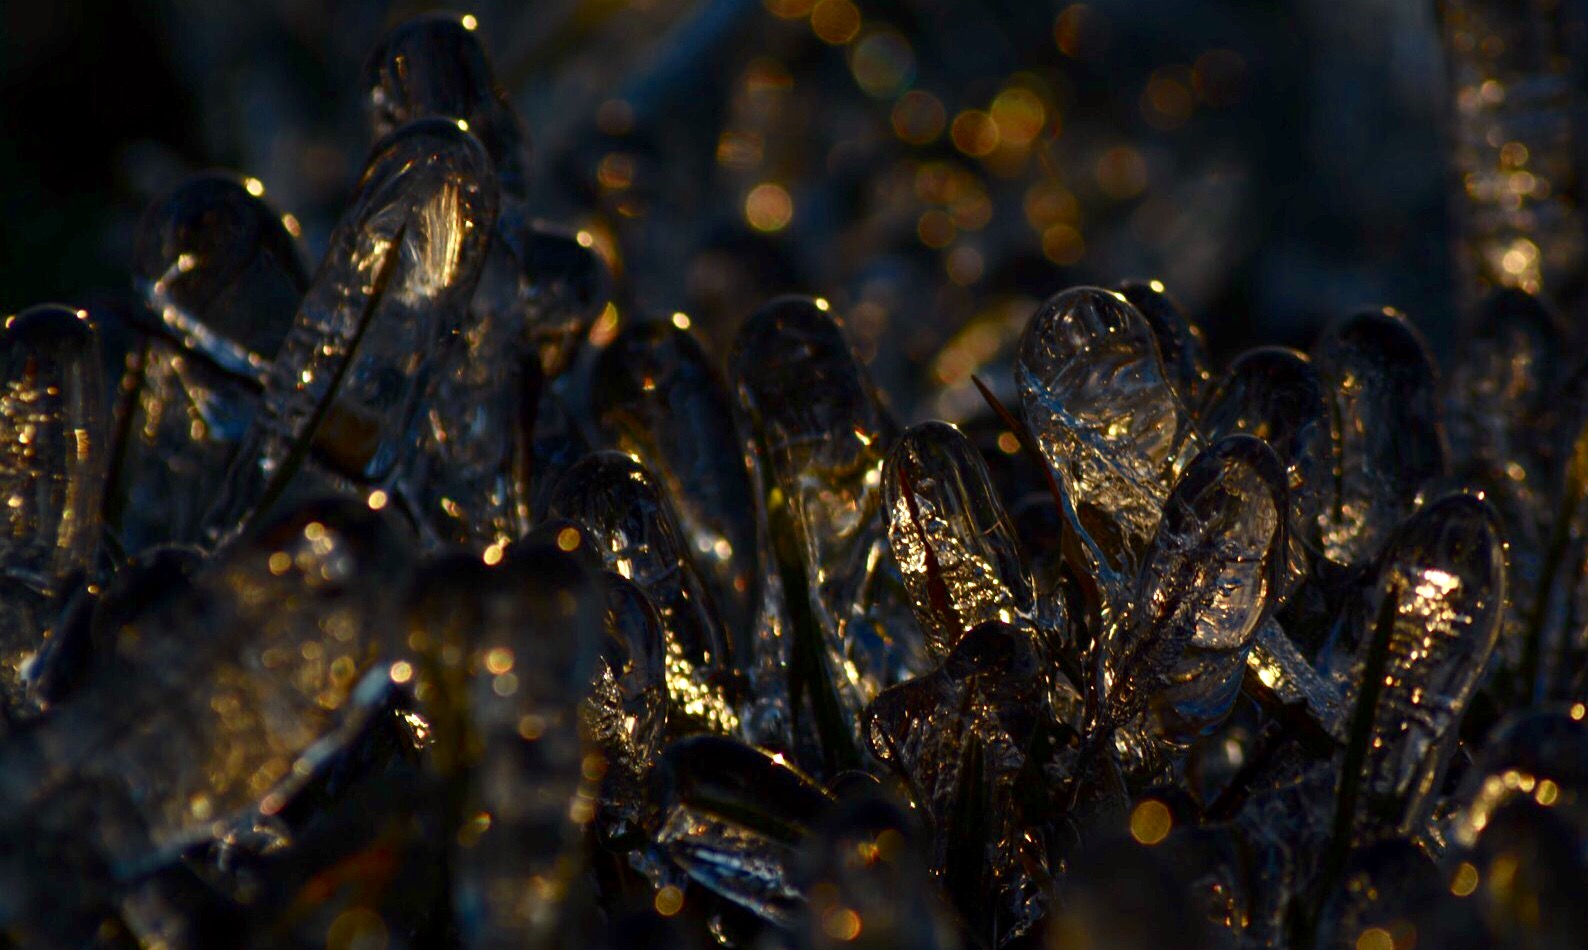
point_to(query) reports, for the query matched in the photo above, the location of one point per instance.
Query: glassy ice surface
(625, 715)
(822, 435)
(1441, 591)
(630, 521)
(433, 66)
(950, 536)
(220, 270)
(1101, 406)
(733, 819)
(1388, 431)
(1207, 582)
(394, 283)
(1276, 395)
(52, 470)
(1180, 342)
(958, 737)
(657, 391)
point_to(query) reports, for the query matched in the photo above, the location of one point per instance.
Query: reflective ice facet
(630, 521)
(1275, 394)
(434, 66)
(52, 470)
(1440, 598)
(1100, 404)
(395, 281)
(657, 391)
(1387, 429)
(733, 818)
(1206, 584)
(822, 434)
(220, 272)
(1179, 340)
(953, 542)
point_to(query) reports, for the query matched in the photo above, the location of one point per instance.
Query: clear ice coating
(228, 690)
(1207, 582)
(434, 67)
(395, 282)
(219, 269)
(656, 390)
(821, 434)
(1275, 394)
(629, 519)
(1180, 341)
(52, 472)
(958, 737)
(1388, 431)
(625, 715)
(530, 790)
(950, 535)
(1101, 406)
(733, 817)
(1439, 599)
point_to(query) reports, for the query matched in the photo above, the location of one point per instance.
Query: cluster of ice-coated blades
(220, 272)
(52, 473)
(625, 715)
(434, 67)
(395, 282)
(1275, 394)
(1288, 678)
(529, 790)
(658, 393)
(1176, 654)
(952, 540)
(864, 871)
(732, 818)
(1387, 429)
(1104, 413)
(821, 434)
(1437, 607)
(227, 690)
(959, 738)
(630, 521)
(1180, 343)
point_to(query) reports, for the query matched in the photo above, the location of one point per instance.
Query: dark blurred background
(929, 164)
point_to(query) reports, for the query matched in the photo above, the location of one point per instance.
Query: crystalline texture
(959, 737)
(822, 434)
(954, 544)
(52, 470)
(1387, 432)
(733, 818)
(221, 272)
(631, 523)
(625, 715)
(396, 281)
(1439, 602)
(1206, 584)
(655, 388)
(1099, 402)
(1274, 394)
